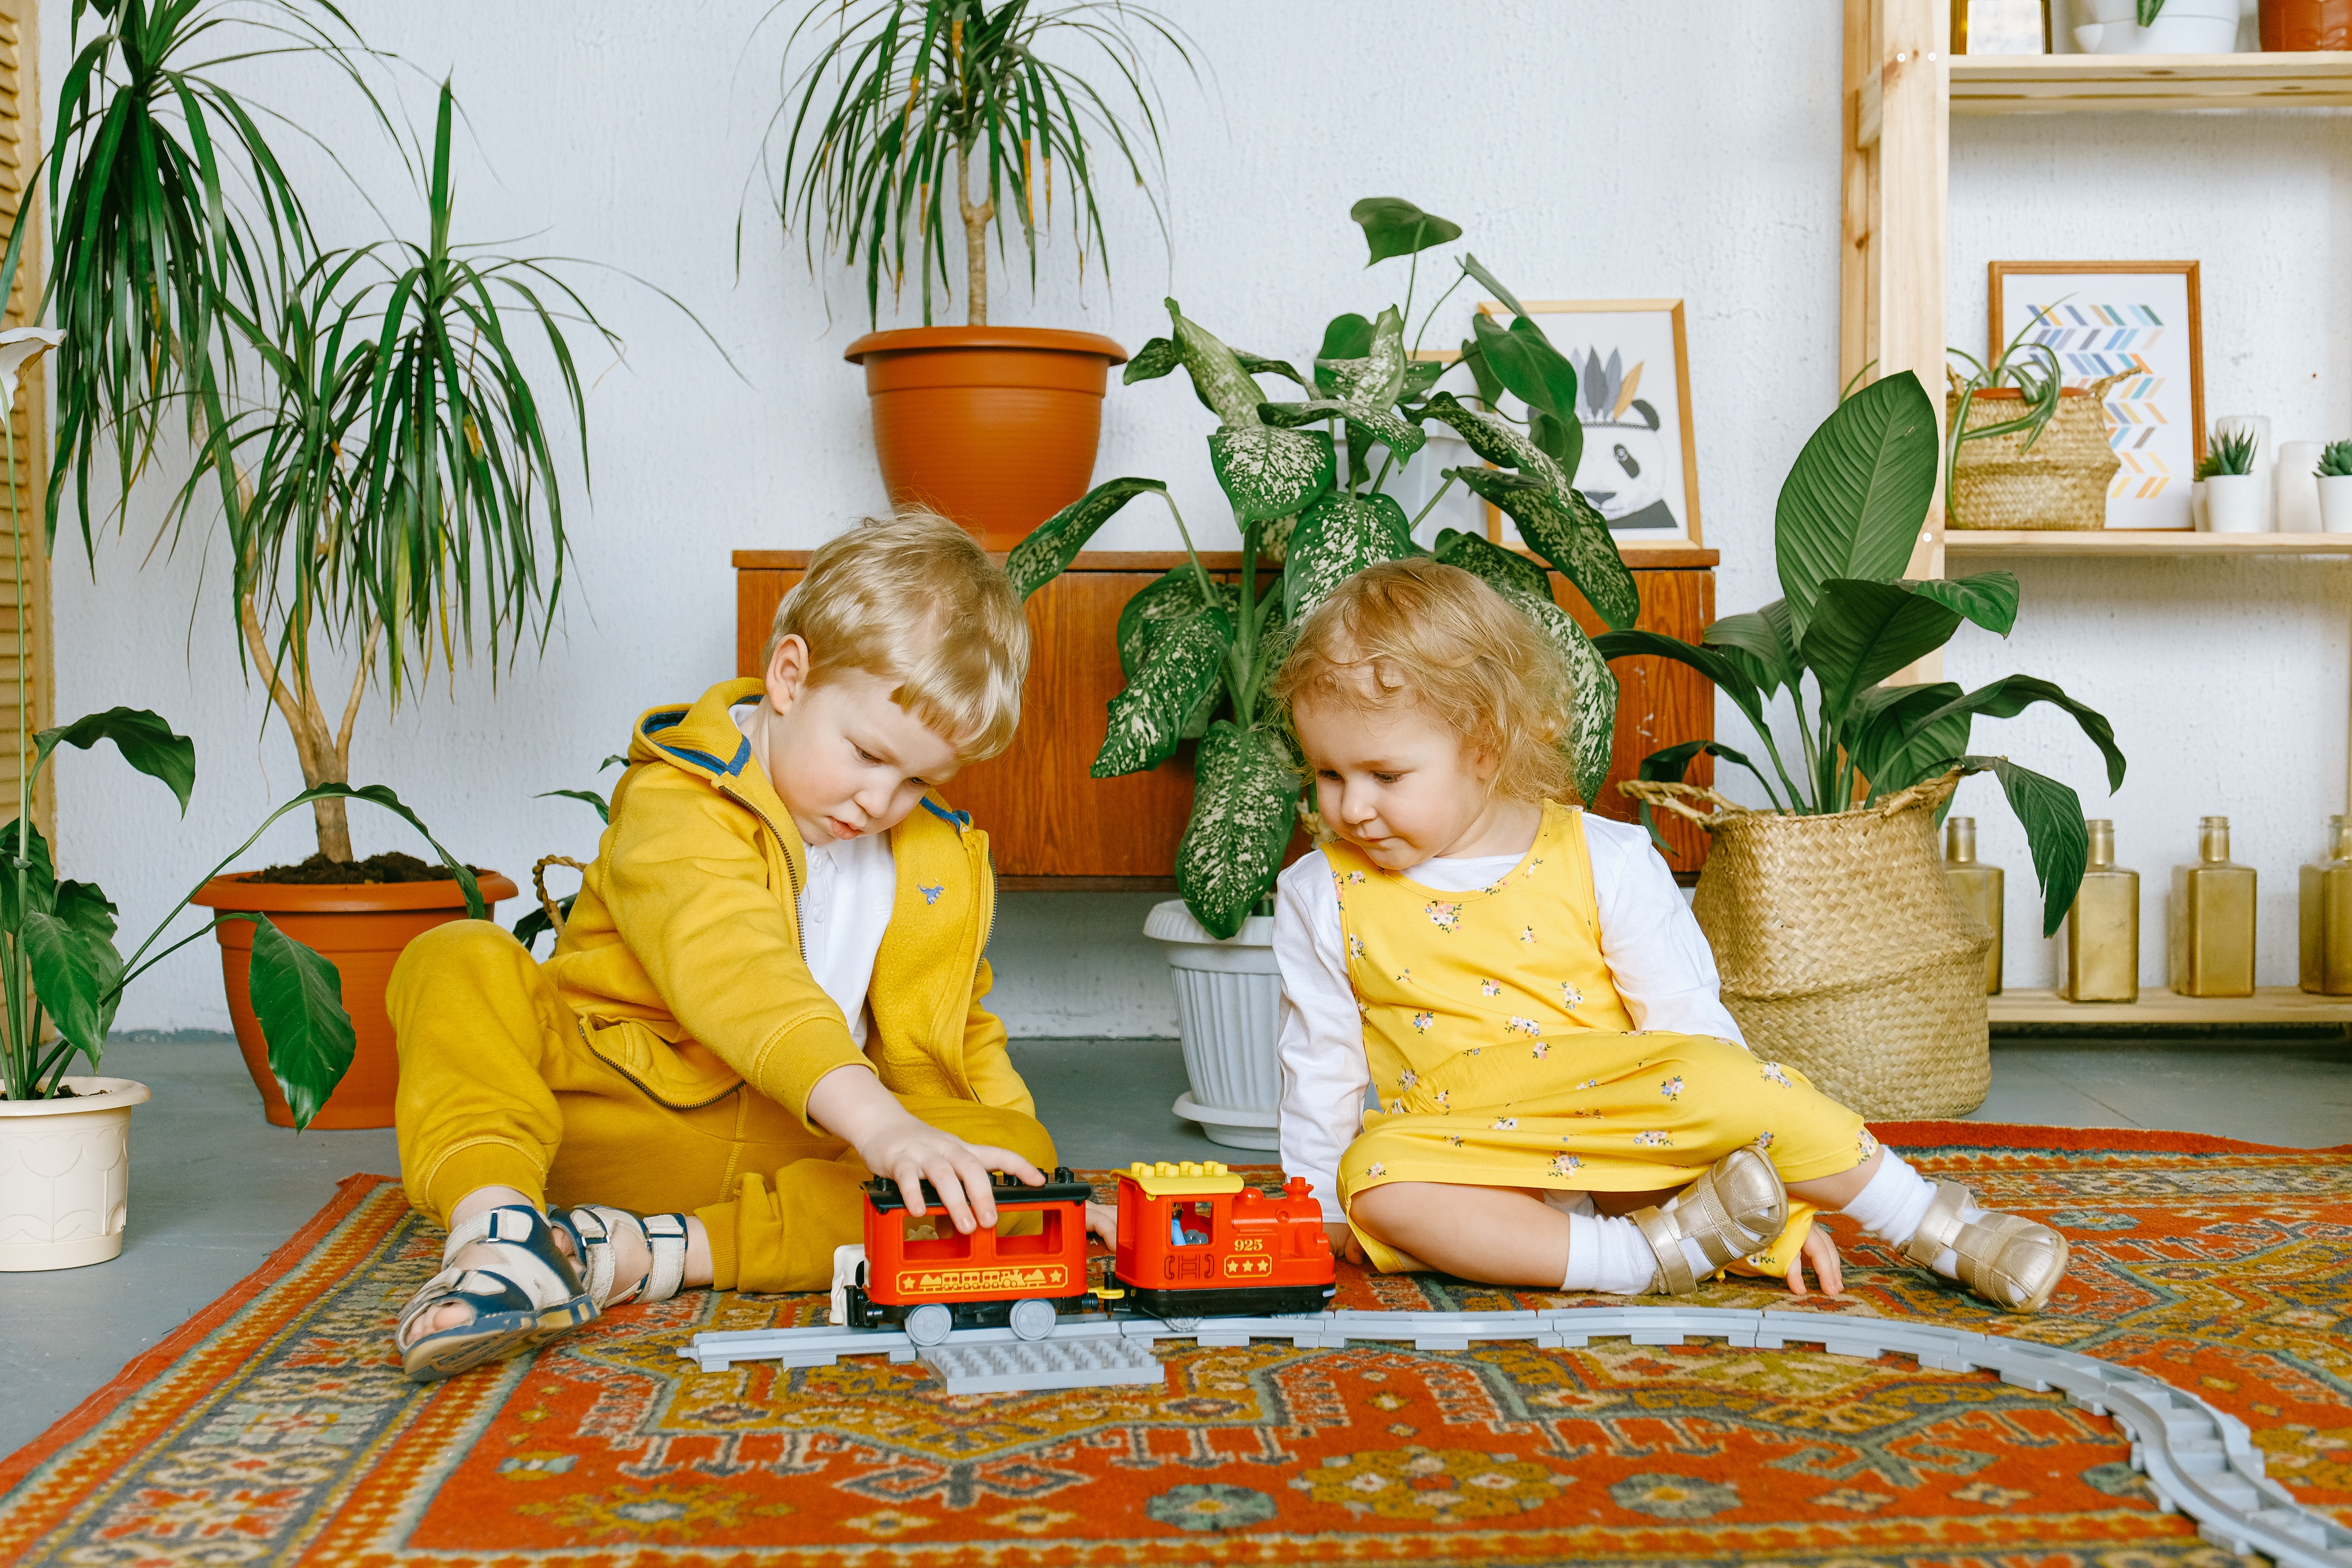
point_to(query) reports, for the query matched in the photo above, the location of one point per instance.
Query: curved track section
(2196, 1459)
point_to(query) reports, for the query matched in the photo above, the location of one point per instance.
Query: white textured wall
(1608, 149)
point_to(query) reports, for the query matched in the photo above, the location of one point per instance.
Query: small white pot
(2335, 502)
(2233, 504)
(65, 1176)
(1229, 1011)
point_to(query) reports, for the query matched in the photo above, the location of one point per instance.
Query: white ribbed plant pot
(65, 1176)
(1229, 1012)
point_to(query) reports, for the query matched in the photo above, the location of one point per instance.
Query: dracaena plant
(59, 961)
(1849, 514)
(1198, 651)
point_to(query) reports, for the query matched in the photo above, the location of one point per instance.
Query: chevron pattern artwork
(2095, 341)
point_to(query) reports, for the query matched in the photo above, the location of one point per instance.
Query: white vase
(65, 1176)
(2233, 504)
(2335, 502)
(1229, 1012)
(2296, 483)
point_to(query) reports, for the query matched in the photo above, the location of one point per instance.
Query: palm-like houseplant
(903, 120)
(1197, 652)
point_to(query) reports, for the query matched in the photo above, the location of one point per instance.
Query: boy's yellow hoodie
(682, 957)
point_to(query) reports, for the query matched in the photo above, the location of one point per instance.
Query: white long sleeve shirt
(1658, 960)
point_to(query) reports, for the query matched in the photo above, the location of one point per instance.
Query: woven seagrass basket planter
(2058, 482)
(1842, 951)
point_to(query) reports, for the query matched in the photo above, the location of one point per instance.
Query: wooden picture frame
(1672, 432)
(2151, 490)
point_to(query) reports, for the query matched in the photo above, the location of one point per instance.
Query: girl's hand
(1344, 1243)
(1102, 1223)
(1823, 1254)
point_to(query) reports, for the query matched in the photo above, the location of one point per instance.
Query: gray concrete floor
(213, 1188)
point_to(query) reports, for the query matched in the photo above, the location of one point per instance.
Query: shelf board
(2268, 1004)
(2138, 541)
(2043, 84)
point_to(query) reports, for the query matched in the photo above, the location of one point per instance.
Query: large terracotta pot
(361, 928)
(2296, 24)
(993, 427)
(65, 1176)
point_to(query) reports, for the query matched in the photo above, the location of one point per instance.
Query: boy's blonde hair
(1437, 638)
(912, 599)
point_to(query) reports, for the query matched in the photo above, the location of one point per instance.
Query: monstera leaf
(1245, 795)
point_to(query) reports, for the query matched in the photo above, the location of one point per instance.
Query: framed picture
(2137, 317)
(1633, 395)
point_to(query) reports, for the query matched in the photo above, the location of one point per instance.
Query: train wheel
(1031, 1320)
(928, 1325)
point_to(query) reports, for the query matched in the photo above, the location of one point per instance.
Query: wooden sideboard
(1053, 826)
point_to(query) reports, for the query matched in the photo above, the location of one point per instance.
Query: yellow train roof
(1189, 1178)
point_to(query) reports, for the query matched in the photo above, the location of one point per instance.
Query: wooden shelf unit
(2268, 1004)
(1903, 87)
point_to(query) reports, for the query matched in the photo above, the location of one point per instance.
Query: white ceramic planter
(1229, 1012)
(2184, 28)
(2335, 502)
(65, 1176)
(2233, 504)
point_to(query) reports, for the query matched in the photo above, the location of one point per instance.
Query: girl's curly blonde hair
(1440, 640)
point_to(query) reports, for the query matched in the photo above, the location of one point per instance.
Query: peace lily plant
(1198, 653)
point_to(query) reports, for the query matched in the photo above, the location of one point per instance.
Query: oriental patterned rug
(276, 1426)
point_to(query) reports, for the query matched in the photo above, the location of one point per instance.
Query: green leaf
(1864, 632)
(1217, 373)
(1988, 598)
(76, 973)
(2051, 814)
(1161, 604)
(1267, 473)
(1669, 763)
(1728, 676)
(1761, 639)
(1569, 531)
(41, 877)
(1591, 731)
(1245, 795)
(1347, 337)
(1503, 296)
(1853, 503)
(586, 796)
(1148, 718)
(1337, 537)
(535, 924)
(1561, 441)
(1887, 744)
(1419, 375)
(1482, 374)
(1259, 364)
(145, 741)
(1153, 361)
(1395, 226)
(1528, 365)
(298, 999)
(1054, 544)
(1366, 424)
(1374, 377)
(382, 795)
(1482, 557)
(2012, 694)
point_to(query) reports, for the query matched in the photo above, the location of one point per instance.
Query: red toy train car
(1194, 1241)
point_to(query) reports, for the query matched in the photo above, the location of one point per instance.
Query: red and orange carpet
(276, 1427)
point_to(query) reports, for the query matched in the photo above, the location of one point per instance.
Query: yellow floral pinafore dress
(1503, 1056)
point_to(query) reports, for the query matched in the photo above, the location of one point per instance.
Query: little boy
(769, 989)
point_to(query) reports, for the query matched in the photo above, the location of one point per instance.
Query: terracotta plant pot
(359, 928)
(993, 427)
(2298, 24)
(65, 1176)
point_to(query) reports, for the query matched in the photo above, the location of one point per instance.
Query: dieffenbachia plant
(1198, 651)
(1849, 514)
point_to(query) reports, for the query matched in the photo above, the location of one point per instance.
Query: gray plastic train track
(2196, 1458)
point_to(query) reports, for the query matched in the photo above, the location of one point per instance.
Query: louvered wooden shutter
(20, 135)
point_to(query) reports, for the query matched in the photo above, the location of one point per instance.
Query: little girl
(1523, 988)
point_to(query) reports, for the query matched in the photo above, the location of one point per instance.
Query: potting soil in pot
(318, 871)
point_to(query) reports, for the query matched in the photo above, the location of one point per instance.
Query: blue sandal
(594, 1225)
(531, 1295)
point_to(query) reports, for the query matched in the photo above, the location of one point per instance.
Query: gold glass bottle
(2212, 936)
(2103, 926)
(2327, 916)
(1979, 888)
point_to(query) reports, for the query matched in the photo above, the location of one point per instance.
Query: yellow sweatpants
(498, 1088)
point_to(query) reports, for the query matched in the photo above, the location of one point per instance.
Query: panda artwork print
(1626, 466)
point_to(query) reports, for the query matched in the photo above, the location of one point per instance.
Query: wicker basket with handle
(1842, 948)
(2058, 482)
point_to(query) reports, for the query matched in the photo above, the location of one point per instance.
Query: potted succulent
(914, 119)
(1198, 652)
(1840, 946)
(377, 451)
(2335, 475)
(2233, 491)
(65, 1137)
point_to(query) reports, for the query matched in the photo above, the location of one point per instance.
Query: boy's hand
(1821, 1252)
(852, 1104)
(1344, 1243)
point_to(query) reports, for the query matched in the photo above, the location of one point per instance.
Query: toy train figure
(1194, 1241)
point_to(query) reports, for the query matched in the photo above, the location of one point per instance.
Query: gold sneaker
(1738, 1207)
(2012, 1262)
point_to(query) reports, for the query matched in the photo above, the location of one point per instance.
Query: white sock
(1569, 1203)
(1893, 1203)
(1608, 1255)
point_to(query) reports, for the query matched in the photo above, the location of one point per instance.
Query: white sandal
(1739, 1199)
(663, 1235)
(532, 1294)
(2010, 1261)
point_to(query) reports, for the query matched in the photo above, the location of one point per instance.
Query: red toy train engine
(1196, 1241)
